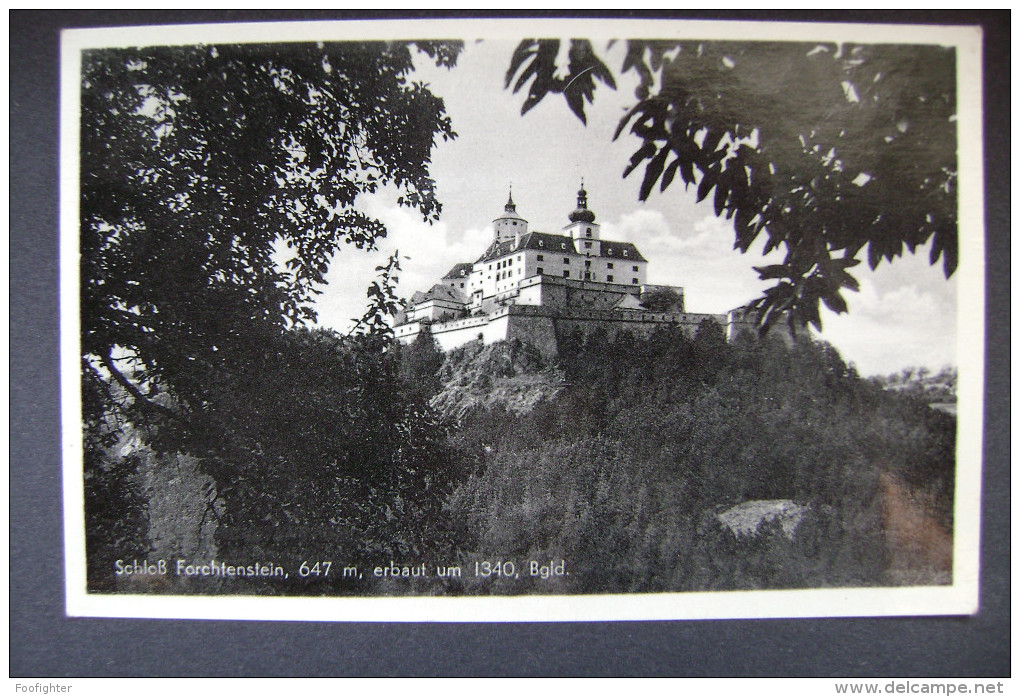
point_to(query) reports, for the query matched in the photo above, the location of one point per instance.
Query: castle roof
(559, 243)
(459, 270)
(628, 302)
(510, 210)
(439, 292)
(620, 250)
(582, 214)
(496, 250)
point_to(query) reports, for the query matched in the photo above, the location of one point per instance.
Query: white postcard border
(957, 599)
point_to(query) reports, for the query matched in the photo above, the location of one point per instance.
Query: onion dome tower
(509, 225)
(583, 228)
(581, 214)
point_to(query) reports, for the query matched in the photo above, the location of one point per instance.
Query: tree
(205, 169)
(327, 450)
(663, 300)
(832, 152)
(420, 363)
(201, 166)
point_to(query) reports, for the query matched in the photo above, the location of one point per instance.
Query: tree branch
(133, 390)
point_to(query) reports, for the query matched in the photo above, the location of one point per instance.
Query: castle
(536, 286)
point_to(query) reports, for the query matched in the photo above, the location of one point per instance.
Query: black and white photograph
(496, 320)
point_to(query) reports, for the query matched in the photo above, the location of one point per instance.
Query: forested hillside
(638, 465)
(626, 473)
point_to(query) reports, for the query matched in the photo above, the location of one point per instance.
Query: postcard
(521, 320)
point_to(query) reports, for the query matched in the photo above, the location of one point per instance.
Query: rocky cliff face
(511, 374)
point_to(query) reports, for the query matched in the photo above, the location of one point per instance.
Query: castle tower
(510, 225)
(582, 228)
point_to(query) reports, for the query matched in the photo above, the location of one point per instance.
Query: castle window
(540, 271)
(609, 278)
(510, 262)
(587, 276)
(587, 264)
(587, 245)
(635, 268)
(588, 232)
(541, 243)
(541, 257)
(625, 252)
(566, 274)
(563, 245)
(610, 265)
(633, 280)
(566, 260)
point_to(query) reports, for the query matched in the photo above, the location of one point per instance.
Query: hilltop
(677, 463)
(511, 375)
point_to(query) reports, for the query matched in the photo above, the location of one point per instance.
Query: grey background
(44, 642)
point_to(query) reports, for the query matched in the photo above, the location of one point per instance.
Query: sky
(904, 314)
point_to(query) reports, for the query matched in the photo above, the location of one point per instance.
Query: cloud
(904, 313)
(888, 329)
(427, 252)
(698, 256)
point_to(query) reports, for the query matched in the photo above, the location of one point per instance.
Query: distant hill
(937, 389)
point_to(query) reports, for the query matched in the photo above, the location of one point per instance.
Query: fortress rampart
(541, 325)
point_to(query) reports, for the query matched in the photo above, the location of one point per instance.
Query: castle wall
(535, 329)
(641, 324)
(552, 291)
(542, 290)
(542, 326)
(435, 310)
(450, 335)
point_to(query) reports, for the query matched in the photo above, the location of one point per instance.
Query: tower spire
(581, 213)
(510, 207)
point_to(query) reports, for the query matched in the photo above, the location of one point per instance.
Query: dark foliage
(420, 363)
(201, 164)
(115, 516)
(665, 300)
(833, 153)
(624, 472)
(203, 169)
(332, 454)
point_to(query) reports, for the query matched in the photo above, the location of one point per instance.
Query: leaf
(652, 173)
(525, 50)
(627, 118)
(687, 170)
(575, 100)
(720, 199)
(668, 174)
(835, 302)
(708, 180)
(773, 271)
(642, 154)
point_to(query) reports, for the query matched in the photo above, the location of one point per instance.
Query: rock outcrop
(508, 374)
